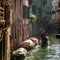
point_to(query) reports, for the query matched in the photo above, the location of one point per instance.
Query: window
(30, 2)
(39, 11)
(28, 11)
(59, 4)
(34, 9)
(24, 11)
(44, 2)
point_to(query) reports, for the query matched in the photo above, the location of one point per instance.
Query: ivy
(33, 18)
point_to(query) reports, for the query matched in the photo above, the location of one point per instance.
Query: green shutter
(28, 11)
(30, 2)
(34, 9)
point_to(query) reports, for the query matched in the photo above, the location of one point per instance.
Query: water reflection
(46, 53)
(51, 53)
(42, 53)
(54, 52)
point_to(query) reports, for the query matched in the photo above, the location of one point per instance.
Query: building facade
(58, 14)
(19, 31)
(46, 18)
(5, 28)
(13, 26)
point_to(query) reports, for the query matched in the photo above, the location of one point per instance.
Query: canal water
(51, 52)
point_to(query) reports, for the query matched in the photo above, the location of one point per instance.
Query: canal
(51, 52)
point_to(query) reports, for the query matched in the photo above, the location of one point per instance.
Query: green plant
(33, 17)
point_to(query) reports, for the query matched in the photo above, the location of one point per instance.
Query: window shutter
(24, 11)
(28, 11)
(30, 2)
(34, 9)
(59, 4)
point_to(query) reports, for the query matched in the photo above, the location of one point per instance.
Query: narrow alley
(29, 29)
